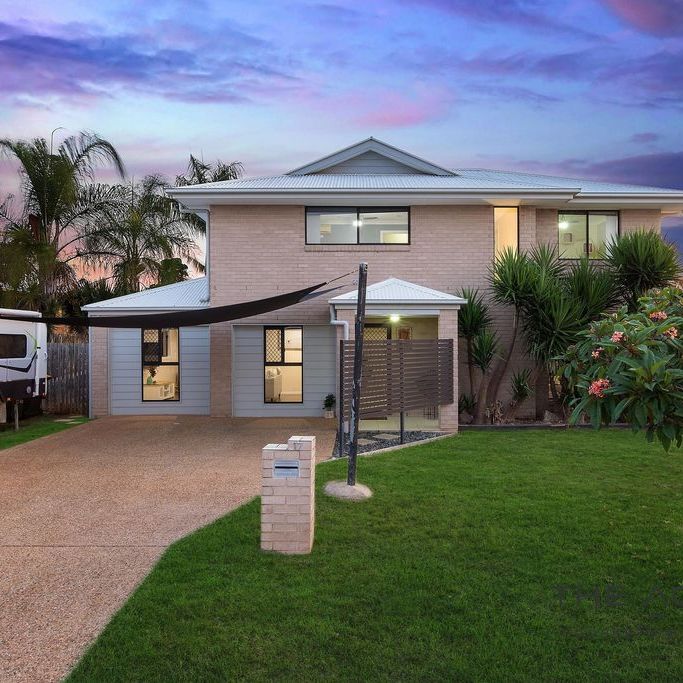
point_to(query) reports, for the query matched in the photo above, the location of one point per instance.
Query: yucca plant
(473, 319)
(511, 277)
(641, 261)
(591, 285)
(484, 351)
(520, 384)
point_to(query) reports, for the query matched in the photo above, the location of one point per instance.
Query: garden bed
(375, 441)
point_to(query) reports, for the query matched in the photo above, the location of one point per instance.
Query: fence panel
(67, 366)
(399, 375)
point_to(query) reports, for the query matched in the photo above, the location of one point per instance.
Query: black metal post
(403, 426)
(341, 435)
(357, 371)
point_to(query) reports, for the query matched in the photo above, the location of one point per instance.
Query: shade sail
(205, 316)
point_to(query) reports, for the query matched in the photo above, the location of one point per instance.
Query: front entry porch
(400, 310)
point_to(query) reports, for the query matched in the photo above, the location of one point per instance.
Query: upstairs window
(505, 228)
(586, 233)
(347, 225)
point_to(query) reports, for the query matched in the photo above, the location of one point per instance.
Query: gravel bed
(372, 441)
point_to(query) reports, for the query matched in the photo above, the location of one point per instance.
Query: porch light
(564, 225)
(394, 317)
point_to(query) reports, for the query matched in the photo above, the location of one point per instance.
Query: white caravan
(23, 360)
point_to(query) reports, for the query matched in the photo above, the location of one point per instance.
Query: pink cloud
(659, 17)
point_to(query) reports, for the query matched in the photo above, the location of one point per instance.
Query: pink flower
(597, 388)
(597, 352)
(671, 333)
(658, 316)
(618, 337)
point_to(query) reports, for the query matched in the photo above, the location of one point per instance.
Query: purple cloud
(526, 14)
(645, 138)
(658, 17)
(658, 170)
(76, 64)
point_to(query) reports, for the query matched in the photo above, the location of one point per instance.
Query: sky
(582, 88)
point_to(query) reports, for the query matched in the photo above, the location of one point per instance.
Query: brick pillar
(99, 371)
(448, 329)
(220, 345)
(288, 496)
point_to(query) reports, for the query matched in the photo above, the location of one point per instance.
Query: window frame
(16, 334)
(586, 213)
(358, 210)
(267, 364)
(501, 206)
(162, 363)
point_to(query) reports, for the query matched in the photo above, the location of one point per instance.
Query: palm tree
(201, 172)
(145, 228)
(61, 203)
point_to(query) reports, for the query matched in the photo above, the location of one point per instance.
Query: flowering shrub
(629, 367)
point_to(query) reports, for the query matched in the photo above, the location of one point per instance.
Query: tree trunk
(480, 410)
(470, 366)
(503, 363)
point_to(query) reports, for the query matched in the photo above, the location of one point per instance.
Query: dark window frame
(502, 206)
(358, 210)
(162, 363)
(267, 364)
(586, 213)
(25, 340)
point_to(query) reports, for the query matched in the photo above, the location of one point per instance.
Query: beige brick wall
(260, 250)
(99, 375)
(631, 220)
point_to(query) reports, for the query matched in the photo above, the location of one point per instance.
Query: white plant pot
(329, 414)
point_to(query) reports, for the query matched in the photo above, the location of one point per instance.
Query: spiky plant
(640, 261)
(511, 277)
(473, 319)
(520, 383)
(484, 351)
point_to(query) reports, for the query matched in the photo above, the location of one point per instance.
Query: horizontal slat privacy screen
(399, 375)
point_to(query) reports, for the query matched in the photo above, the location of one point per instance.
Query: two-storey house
(425, 231)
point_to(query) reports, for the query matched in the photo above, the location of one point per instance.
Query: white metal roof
(466, 179)
(395, 292)
(181, 295)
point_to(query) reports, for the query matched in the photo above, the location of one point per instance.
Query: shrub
(629, 366)
(639, 262)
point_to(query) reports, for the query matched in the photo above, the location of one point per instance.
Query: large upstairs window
(347, 225)
(586, 233)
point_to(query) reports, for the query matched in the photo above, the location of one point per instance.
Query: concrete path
(85, 514)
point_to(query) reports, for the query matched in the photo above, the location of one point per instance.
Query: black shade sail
(204, 316)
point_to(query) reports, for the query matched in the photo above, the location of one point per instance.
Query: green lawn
(34, 428)
(516, 556)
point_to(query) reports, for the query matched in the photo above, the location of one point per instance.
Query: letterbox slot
(285, 468)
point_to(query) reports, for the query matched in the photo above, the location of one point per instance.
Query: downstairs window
(161, 365)
(283, 357)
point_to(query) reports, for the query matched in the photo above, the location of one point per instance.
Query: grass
(525, 556)
(34, 428)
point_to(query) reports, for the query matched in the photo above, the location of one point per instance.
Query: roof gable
(372, 156)
(395, 291)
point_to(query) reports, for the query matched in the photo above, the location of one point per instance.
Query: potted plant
(328, 404)
(152, 373)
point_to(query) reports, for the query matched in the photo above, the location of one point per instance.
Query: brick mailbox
(288, 496)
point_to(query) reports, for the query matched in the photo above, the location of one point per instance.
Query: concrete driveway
(85, 514)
